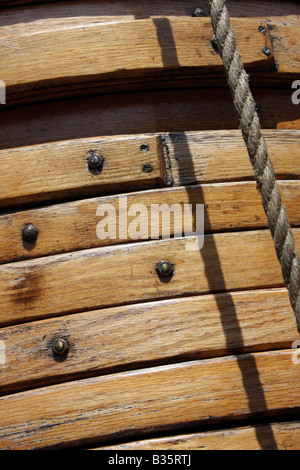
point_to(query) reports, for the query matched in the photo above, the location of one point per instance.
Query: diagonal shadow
(229, 318)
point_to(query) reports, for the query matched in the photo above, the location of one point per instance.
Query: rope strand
(264, 174)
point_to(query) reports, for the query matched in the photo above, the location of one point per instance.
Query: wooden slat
(140, 112)
(200, 157)
(103, 277)
(161, 398)
(141, 334)
(273, 436)
(54, 58)
(57, 170)
(72, 226)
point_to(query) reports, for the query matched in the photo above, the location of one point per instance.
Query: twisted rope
(245, 106)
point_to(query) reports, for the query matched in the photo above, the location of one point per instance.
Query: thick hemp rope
(238, 81)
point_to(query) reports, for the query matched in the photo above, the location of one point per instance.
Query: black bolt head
(95, 161)
(165, 269)
(266, 50)
(198, 12)
(29, 233)
(147, 168)
(60, 347)
(144, 147)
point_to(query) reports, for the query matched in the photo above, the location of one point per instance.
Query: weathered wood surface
(192, 157)
(116, 275)
(73, 226)
(112, 55)
(200, 157)
(165, 397)
(273, 436)
(129, 337)
(191, 109)
(60, 169)
(127, 48)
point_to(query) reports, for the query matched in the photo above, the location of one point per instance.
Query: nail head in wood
(60, 347)
(29, 233)
(165, 269)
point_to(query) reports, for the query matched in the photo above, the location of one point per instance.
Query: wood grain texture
(127, 48)
(117, 275)
(273, 436)
(61, 169)
(73, 226)
(200, 157)
(143, 334)
(192, 109)
(161, 398)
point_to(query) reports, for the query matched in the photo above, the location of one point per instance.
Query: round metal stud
(266, 50)
(60, 347)
(165, 269)
(147, 168)
(95, 161)
(198, 12)
(144, 147)
(29, 233)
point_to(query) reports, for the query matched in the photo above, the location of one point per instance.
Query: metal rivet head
(165, 268)
(29, 233)
(95, 161)
(262, 29)
(198, 12)
(144, 147)
(147, 168)
(60, 347)
(266, 50)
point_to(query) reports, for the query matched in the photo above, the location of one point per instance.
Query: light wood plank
(116, 49)
(166, 397)
(192, 109)
(117, 275)
(60, 169)
(130, 336)
(199, 157)
(273, 436)
(72, 226)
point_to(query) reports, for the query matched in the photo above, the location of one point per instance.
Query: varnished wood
(193, 109)
(72, 226)
(58, 170)
(191, 157)
(273, 436)
(200, 157)
(161, 398)
(117, 275)
(143, 334)
(117, 49)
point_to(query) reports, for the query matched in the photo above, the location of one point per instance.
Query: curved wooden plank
(166, 397)
(117, 275)
(221, 155)
(273, 436)
(72, 226)
(121, 51)
(136, 336)
(61, 169)
(192, 157)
